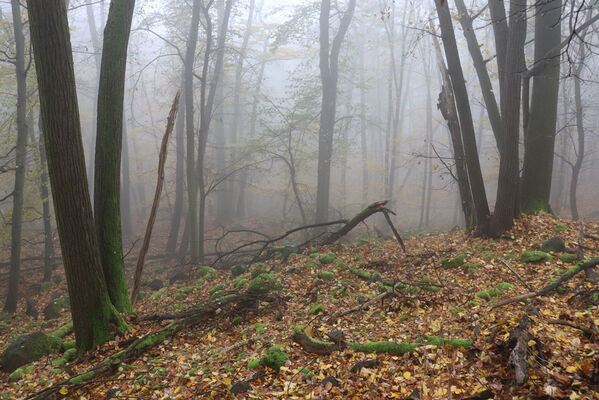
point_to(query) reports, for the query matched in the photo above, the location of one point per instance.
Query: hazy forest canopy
(172, 167)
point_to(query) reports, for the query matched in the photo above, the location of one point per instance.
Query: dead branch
(161, 163)
(516, 273)
(549, 288)
(590, 332)
(365, 305)
(312, 346)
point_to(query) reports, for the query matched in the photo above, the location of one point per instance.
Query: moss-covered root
(312, 345)
(384, 347)
(156, 338)
(439, 341)
(63, 331)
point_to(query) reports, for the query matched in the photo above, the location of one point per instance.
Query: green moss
(488, 255)
(59, 362)
(382, 288)
(46, 285)
(70, 354)
(429, 288)
(504, 286)
(82, 378)
(254, 363)
(156, 338)
(180, 296)
(384, 347)
(473, 303)
(317, 309)
(207, 273)
(404, 317)
(16, 375)
(326, 275)
(483, 294)
(312, 264)
(260, 328)
(561, 228)
(456, 310)
(157, 293)
(68, 344)
(275, 358)
(236, 321)
(238, 269)
(63, 331)
(327, 258)
(535, 257)
(366, 275)
(450, 263)
(472, 268)
(568, 258)
(510, 256)
(314, 255)
(258, 269)
(494, 292)
(438, 341)
(239, 282)
(264, 283)
(216, 288)
(298, 328)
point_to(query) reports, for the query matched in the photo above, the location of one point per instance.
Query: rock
(28, 348)
(555, 244)
(177, 276)
(51, 311)
(237, 270)
(155, 284)
(31, 308)
(240, 387)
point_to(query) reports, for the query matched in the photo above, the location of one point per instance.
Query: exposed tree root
(184, 320)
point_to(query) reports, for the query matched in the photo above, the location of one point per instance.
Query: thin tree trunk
(363, 111)
(21, 162)
(109, 130)
(49, 252)
(126, 188)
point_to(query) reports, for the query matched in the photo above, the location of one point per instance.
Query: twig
(388, 218)
(517, 274)
(365, 305)
(589, 331)
(243, 343)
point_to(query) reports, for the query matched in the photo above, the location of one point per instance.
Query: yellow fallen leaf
(407, 375)
(571, 369)
(64, 391)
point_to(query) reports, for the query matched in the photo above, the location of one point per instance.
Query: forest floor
(434, 301)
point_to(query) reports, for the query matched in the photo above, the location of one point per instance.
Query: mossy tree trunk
(91, 308)
(540, 130)
(107, 172)
(21, 161)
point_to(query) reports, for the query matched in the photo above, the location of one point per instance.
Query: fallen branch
(549, 288)
(517, 274)
(590, 332)
(365, 305)
(519, 338)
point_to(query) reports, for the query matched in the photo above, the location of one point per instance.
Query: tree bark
(540, 133)
(508, 182)
(21, 162)
(107, 172)
(329, 61)
(456, 74)
(49, 253)
(91, 308)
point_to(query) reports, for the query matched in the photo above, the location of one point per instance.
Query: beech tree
(91, 308)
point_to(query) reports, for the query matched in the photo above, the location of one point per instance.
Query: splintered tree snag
(162, 161)
(549, 288)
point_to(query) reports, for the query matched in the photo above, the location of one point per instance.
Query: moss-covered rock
(450, 263)
(568, 258)
(52, 310)
(206, 272)
(239, 282)
(254, 363)
(257, 269)
(535, 257)
(504, 286)
(216, 288)
(327, 258)
(28, 348)
(275, 358)
(264, 283)
(157, 294)
(238, 269)
(366, 275)
(555, 244)
(326, 275)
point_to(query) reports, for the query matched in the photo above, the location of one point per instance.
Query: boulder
(177, 276)
(155, 284)
(31, 308)
(28, 348)
(555, 244)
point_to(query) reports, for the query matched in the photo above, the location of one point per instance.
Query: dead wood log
(160, 181)
(590, 332)
(312, 346)
(549, 288)
(518, 341)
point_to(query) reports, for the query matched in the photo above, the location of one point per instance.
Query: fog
(390, 141)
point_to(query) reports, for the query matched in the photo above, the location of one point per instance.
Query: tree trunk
(508, 182)
(107, 172)
(91, 308)
(456, 74)
(329, 62)
(363, 111)
(540, 133)
(192, 191)
(16, 223)
(126, 188)
(46, 215)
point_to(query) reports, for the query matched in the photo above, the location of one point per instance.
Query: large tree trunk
(91, 308)
(192, 187)
(20, 160)
(456, 74)
(540, 132)
(508, 182)
(329, 61)
(107, 172)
